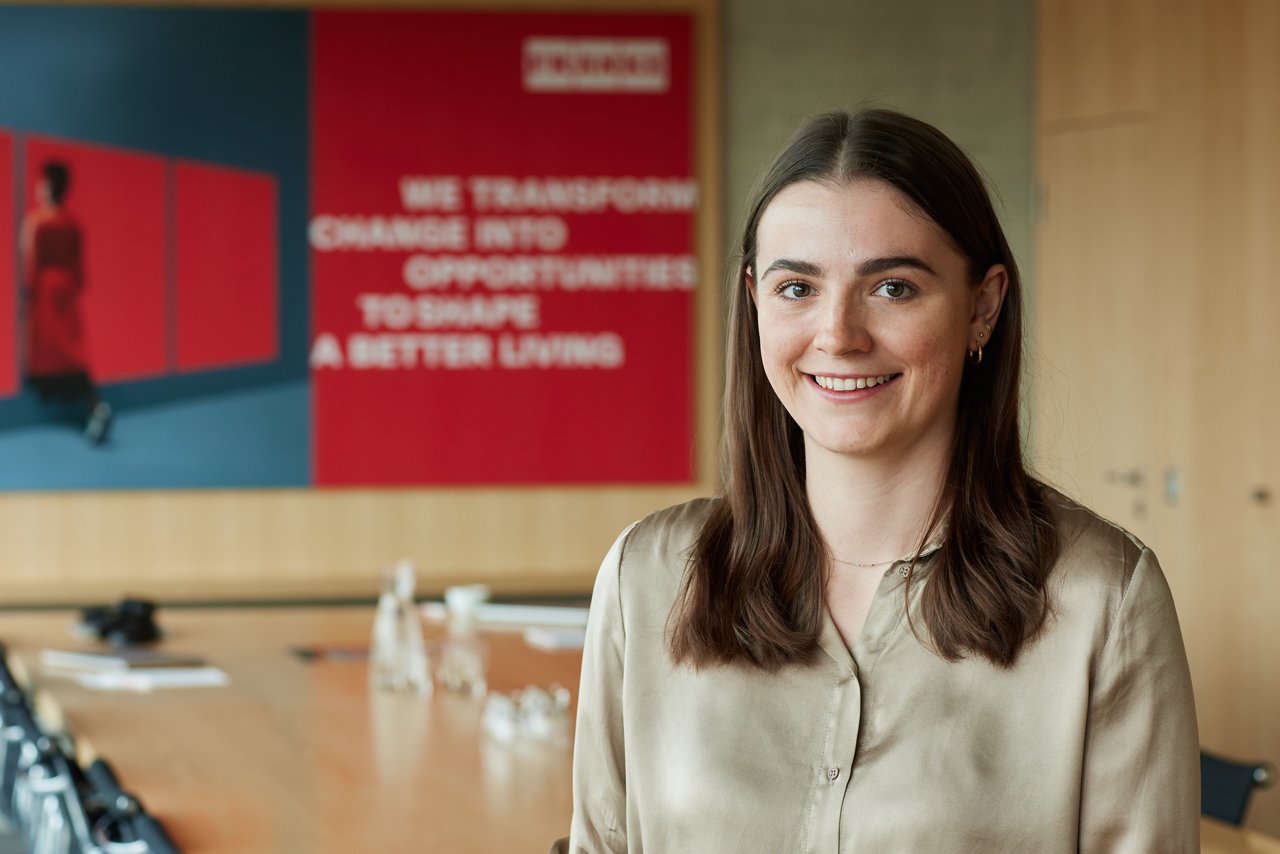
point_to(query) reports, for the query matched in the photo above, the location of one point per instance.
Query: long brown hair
(754, 588)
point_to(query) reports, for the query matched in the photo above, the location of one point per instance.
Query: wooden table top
(298, 756)
(1219, 838)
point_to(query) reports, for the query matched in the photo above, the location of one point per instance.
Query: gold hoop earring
(975, 356)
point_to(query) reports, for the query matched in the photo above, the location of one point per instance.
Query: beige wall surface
(968, 68)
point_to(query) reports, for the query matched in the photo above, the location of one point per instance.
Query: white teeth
(849, 384)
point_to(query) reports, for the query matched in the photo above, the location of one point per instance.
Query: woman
(56, 366)
(885, 636)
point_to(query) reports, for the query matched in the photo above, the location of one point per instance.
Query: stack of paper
(132, 669)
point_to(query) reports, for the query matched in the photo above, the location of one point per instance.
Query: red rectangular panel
(226, 286)
(9, 337)
(414, 379)
(118, 198)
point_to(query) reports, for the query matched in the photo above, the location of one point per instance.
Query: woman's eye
(794, 290)
(894, 289)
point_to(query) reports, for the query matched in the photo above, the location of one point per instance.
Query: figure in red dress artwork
(52, 253)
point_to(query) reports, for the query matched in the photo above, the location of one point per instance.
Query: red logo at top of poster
(502, 239)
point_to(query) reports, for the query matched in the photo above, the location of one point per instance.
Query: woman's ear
(749, 279)
(988, 298)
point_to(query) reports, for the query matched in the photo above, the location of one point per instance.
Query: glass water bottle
(397, 654)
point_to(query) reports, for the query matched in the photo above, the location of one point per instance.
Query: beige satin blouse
(1087, 744)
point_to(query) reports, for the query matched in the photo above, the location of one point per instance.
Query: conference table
(296, 754)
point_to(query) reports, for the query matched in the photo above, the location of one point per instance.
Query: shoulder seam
(623, 539)
(1143, 557)
(1063, 502)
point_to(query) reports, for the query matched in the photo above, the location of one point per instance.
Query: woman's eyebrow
(803, 268)
(874, 266)
(870, 267)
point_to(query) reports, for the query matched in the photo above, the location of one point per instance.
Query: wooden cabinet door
(1155, 389)
(1096, 345)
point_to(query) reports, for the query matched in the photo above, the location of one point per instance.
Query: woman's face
(866, 313)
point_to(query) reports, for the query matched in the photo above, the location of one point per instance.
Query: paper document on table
(116, 659)
(150, 680)
(491, 615)
(552, 640)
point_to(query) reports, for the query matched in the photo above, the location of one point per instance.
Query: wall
(236, 544)
(1157, 131)
(965, 67)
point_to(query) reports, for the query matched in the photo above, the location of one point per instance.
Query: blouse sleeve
(1141, 786)
(599, 761)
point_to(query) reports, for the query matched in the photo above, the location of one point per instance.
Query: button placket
(833, 775)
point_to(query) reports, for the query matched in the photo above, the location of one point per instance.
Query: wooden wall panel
(1096, 58)
(1234, 457)
(1095, 254)
(235, 544)
(1203, 303)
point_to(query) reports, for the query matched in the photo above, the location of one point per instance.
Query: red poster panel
(118, 197)
(226, 269)
(10, 336)
(502, 234)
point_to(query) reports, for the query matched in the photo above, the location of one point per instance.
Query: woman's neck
(871, 510)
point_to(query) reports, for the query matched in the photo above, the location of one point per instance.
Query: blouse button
(832, 773)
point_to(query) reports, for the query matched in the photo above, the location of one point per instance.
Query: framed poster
(379, 248)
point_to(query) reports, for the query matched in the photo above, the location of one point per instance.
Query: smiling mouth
(852, 383)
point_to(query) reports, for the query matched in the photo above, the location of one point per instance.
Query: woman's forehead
(859, 218)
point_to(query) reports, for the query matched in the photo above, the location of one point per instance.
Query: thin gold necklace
(907, 562)
(907, 558)
(869, 565)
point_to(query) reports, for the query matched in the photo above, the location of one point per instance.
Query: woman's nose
(842, 329)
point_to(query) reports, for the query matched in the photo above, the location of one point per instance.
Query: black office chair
(122, 820)
(17, 727)
(45, 801)
(7, 683)
(57, 807)
(1226, 786)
